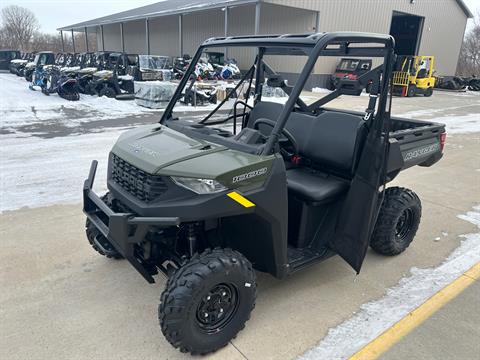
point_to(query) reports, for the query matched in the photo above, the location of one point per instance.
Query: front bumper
(123, 230)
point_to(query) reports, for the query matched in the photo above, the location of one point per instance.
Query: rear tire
(107, 91)
(428, 92)
(397, 221)
(207, 301)
(98, 242)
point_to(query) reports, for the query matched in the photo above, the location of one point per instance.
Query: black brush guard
(123, 230)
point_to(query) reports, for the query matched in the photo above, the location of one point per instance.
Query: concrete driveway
(60, 300)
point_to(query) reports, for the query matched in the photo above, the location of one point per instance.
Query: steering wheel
(287, 139)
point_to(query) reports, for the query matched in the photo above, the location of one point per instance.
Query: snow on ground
(36, 173)
(456, 124)
(460, 124)
(377, 316)
(21, 106)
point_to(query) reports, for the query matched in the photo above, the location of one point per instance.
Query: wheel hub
(217, 307)
(404, 224)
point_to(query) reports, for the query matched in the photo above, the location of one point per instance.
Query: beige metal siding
(442, 30)
(199, 26)
(241, 21)
(286, 20)
(134, 37)
(164, 36)
(111, 34)
(273, 20)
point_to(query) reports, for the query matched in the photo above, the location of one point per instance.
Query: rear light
(443, 139)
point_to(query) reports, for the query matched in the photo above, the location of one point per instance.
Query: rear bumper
(123, 230)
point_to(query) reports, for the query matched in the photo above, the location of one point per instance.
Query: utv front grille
(143, 186)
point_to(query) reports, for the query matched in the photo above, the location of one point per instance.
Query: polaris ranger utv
(288, 185)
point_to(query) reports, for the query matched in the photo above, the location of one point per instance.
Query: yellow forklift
(414, 75)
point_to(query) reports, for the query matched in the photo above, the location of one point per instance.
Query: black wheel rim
(217, 308)
(404, 224)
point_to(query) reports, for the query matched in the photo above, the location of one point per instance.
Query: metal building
(177, 27)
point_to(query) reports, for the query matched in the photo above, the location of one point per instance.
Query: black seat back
(264, 110)
(332, 141)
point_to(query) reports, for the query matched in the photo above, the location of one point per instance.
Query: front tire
(412, 91)
(207, 301)
(397, 221)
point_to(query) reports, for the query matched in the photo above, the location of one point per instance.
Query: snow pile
(377, 316)
(21, 106)
(321, 90)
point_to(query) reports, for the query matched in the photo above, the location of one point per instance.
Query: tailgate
(417, 142)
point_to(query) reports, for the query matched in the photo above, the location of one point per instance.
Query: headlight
(199, 186)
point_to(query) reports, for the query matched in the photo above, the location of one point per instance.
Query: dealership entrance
(407, 31)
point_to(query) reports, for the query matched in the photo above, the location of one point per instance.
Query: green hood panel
(153, 147)
(230, 167)
(156, 149)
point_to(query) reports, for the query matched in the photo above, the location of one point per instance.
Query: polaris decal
(420, 152)
(249, 175)
(139, 148)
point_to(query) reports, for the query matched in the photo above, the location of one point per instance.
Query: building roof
(465, 8)
(162, 8)
(172, 7)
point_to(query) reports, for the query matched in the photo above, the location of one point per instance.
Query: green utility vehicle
(266, 185)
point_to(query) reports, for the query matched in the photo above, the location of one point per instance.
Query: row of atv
(112, 74)
(104, 73)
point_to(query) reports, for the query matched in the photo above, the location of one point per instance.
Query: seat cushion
(315, 187)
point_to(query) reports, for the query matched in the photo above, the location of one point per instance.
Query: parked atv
(93, 63)
(108, 83)
(227, 71)
(41, 59)
(299, 183)
(114, 82)
(350, 69)
(60, 82)
(6, 56)
(39, 79)
(17, 65)
(180, 66)
(195, 96)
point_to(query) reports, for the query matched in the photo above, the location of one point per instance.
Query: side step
(299, 258)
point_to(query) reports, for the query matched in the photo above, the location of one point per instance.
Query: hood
(88, 70)
(103, 74)
(70, 68)
(154, 147)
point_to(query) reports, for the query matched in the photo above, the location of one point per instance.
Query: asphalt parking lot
(59, 300)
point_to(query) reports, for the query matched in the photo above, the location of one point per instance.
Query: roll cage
(338, 44)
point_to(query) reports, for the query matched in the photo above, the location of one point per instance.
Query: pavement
(60, 300)
(455, 329)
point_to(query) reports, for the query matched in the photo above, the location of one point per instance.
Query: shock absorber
(191, 238)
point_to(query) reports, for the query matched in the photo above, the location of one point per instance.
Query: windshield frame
(314, 46)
